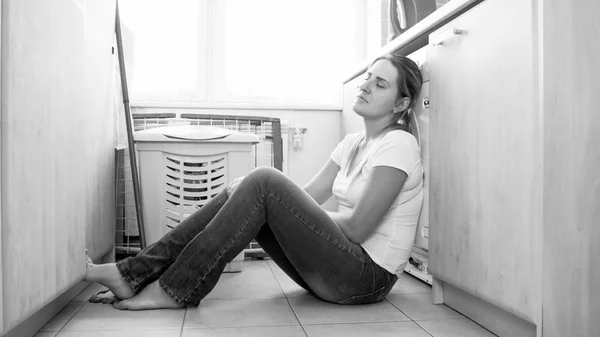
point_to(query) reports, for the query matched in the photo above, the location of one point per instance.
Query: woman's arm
(319, 187)
(381, 190)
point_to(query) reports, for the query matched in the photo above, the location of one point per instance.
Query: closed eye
(380, 81)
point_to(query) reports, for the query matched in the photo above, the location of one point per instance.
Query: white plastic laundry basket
(183, 167)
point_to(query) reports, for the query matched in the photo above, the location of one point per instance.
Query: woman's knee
(263, 174)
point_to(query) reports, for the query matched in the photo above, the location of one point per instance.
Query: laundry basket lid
(194, 133)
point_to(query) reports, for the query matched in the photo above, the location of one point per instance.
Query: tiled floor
(263, 301)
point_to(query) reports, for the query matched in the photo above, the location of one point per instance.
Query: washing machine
(419, 261)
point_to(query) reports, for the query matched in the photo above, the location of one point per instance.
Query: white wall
(350, 121)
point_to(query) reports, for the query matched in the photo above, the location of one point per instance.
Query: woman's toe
(121, 305)
(104, 296)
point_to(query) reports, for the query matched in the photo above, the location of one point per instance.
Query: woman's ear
(402, 104)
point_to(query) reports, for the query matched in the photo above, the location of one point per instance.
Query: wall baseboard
(496, 320)
(35, 322)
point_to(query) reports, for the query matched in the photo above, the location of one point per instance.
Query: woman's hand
(233, 185)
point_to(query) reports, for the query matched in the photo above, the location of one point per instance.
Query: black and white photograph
(299, 168)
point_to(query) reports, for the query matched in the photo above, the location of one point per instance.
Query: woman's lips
(362, 98)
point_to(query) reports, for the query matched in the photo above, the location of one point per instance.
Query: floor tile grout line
(360, 322)
(296, 315)
(456, 318)
(241, 298)
(452, 318)
(412, 320)
(281, 292)
(277, 280)
(287, 299)
(232, 327)
(244, 326)
(70, 318)
(183, 322)
(422, 328)
(441, 319)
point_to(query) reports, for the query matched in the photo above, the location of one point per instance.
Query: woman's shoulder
(351, 137)
(400, 137)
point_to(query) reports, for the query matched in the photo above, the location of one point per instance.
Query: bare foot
(109, 276)
(151, 297)
(103, 296)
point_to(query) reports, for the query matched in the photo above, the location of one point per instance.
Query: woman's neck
(374, 128)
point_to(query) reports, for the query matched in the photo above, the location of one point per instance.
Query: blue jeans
(287, 223)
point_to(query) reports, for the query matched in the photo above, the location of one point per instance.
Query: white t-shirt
(390, 244)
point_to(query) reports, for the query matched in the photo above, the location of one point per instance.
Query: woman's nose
(364, 87)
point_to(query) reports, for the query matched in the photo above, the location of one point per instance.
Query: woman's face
(378, 95)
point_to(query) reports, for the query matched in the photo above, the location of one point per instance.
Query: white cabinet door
(486, 158)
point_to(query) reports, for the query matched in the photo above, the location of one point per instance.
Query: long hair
(409, 82)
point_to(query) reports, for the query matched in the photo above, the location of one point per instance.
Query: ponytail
(403, 122)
